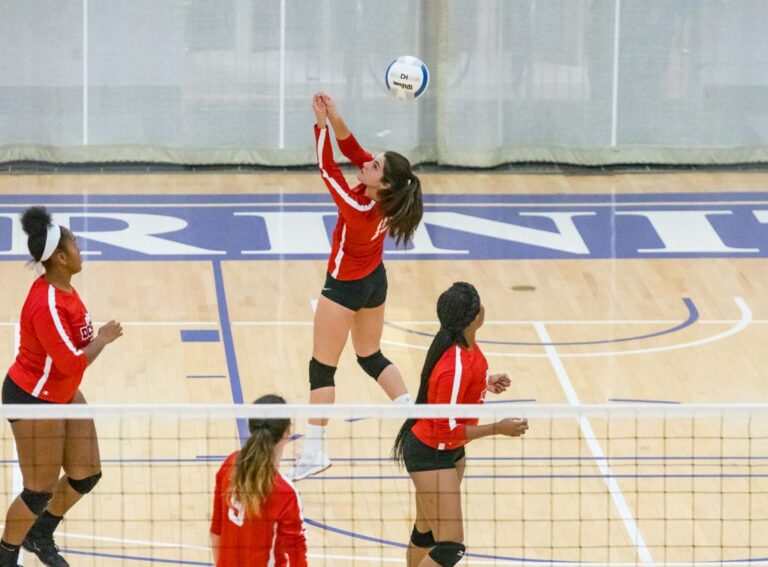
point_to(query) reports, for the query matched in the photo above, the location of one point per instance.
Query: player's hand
(498, 383)
(330, 104)
(110, 332)
(320, 110)
(512, 427)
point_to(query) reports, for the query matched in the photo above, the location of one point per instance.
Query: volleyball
(407, 77)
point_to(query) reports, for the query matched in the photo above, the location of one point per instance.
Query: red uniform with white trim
(276, 537)
(459, 377)
(358, 239)
(55, 327)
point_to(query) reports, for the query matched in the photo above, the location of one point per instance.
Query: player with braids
(386, 201)
(256, 510)
(57, 345)
(455, 372)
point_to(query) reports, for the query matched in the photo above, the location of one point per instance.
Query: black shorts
(420, 457)
(367, 292)
(14, 394)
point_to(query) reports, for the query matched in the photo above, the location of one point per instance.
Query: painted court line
(693, 316)
(741, 324)
(594, 446)
(229, 346)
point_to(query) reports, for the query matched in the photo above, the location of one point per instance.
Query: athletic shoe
(310, 465)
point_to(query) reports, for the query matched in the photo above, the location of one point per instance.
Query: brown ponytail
(401, 203)
(254, 472)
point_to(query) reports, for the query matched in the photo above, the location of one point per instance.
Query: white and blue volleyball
(407, 77)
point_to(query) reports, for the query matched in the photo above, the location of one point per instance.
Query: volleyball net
(619, 484)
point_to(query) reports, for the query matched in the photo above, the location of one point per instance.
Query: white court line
(597, 452)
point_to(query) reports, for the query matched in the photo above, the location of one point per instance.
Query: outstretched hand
(320, 109)
(330, 104)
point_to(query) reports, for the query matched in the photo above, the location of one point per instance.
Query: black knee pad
(36, 501)
(320, 375)
(447, 553)
(374, 364)
(85, 485)
(422, 539)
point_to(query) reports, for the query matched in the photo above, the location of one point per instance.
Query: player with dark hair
(455, 372)
(387, 201)
(57, 345)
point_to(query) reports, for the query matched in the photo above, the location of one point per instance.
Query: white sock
(404, 400)
(313, 442)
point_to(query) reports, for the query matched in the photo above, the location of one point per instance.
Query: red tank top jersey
(55, 327)
(276, 537)
(358, 239)
(459, 377)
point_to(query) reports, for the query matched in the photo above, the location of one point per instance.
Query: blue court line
(514, 459)
(133, 557)
(316, 524)
(682, 460)
(637, 401)
(229, 347)
(543, 476)
(200, 336)
(693, 316)
(323, 198)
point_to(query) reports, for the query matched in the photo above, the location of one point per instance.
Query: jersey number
(236, 513)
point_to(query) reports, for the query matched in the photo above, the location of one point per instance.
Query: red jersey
(55, 327)
(459, 377)
(358, 239)
(276, 537)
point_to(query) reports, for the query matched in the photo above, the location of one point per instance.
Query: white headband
(52, 239)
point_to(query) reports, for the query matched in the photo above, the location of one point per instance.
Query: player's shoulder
(284, 485)
(228, 463)
(37, 297)
(284, 493)
(39, 288)
(447, 361)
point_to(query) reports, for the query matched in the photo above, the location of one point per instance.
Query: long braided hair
(253, 475)
(457, 307)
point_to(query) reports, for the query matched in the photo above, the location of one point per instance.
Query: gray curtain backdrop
(230, 81)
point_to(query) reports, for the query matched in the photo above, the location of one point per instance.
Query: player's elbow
(72, 364)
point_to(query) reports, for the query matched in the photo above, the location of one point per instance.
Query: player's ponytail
(457, 307)
(401, 204)
(254, 472)
(35, 222)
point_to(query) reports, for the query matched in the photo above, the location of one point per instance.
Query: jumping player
(387, 201)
